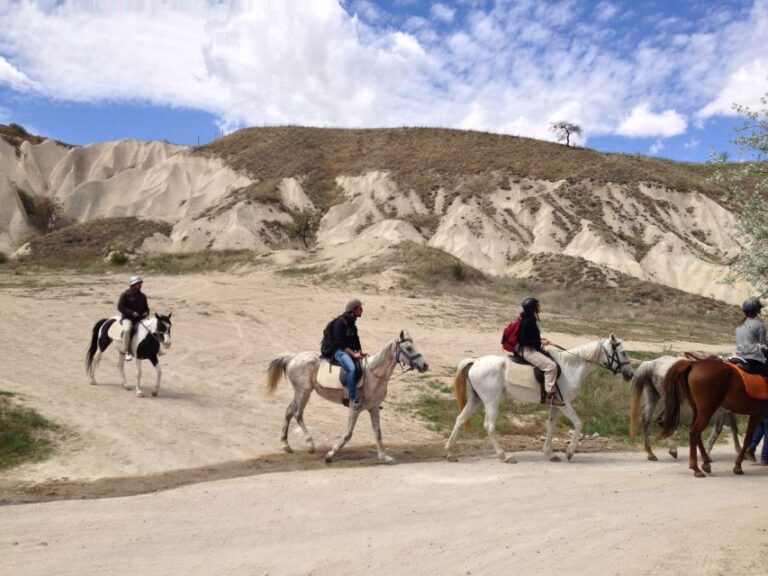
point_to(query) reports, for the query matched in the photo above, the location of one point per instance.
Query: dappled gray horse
(648, 383)
(301, 370)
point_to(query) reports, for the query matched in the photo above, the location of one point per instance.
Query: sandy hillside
(489, 217)
(245, 508)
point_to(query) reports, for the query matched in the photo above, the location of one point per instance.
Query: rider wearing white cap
(133, 306)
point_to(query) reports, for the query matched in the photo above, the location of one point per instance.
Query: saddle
(755, 383)
(343, 373)
(539, 374)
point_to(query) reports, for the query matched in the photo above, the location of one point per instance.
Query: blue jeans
(349, 367)
(761, 433)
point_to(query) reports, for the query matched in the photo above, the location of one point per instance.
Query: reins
(613, 355)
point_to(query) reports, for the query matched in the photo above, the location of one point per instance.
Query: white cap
(135, 280)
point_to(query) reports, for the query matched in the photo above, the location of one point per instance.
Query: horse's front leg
(139, 390)
(570, 413)
(121, 367)
(159, 372)
(353, 415)
(548, 453)
(376, 423)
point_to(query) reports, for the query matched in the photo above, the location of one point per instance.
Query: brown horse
(707, 384)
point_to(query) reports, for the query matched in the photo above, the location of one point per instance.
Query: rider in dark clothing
(346, 346)
(529, 334)
(133, 306)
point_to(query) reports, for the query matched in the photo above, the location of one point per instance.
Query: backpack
(327, 344)
(509, 338)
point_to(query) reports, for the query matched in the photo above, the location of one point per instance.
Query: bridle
(613, 357)
(158, 334)
(411, 358)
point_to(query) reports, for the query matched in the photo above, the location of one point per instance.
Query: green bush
(117, 258)
(3, 257)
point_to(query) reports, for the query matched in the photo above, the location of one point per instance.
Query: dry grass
(427, 159)
(16, 134)
(88, 244)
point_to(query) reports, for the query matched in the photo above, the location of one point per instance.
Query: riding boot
(554, 399)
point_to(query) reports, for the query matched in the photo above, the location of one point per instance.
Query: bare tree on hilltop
(564, 130)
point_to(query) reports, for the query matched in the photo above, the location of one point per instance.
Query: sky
(655, 77)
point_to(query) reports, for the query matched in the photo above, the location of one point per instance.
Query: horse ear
(613, 337)
(402, 334)
(169, 315)
(156, 316)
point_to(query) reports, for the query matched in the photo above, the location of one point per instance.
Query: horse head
(163, 329)
(615, 358)
(406, 353)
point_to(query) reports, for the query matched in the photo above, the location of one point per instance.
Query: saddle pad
(755, 385)
(332, 378)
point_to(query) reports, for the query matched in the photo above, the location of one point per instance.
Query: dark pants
(761, 433)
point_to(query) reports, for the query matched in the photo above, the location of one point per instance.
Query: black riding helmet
(530, 304)
(751, 307)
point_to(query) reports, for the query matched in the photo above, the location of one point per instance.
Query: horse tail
(642, 378)
(460, 386)
(94, 345)
(675, 387)
(276, 370)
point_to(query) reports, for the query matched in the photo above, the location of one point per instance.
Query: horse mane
(380, 356)
(568, 358)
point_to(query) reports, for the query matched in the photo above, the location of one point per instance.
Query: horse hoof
(510, 460)
(328, 458)
(387, 460)
(139, 394)
(673, 453)
(451, 458)
(554, 458)
(738, 470)
(707, 468)
(652, 458)
(287, 449)
(311, 450)
(93, 383)
(569, 455)
(699, 474)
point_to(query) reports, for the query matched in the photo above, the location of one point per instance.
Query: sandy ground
(242, 507)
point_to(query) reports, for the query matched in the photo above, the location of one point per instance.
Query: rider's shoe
(750, 455)
(128, 356)
(356, 404)
(554, 399)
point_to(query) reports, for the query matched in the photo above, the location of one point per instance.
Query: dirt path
(600, 514)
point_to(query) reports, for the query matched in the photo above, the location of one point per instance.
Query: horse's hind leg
(376, 423)
(473, 402)
(717, 427)
(551, 419)
(353, 414)
(651, 400)
(94, 366)
(491, 412)
(301, 404)
(730, 419)
(290, 411)
(751, 425)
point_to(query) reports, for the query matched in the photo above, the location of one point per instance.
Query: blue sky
(647, 76)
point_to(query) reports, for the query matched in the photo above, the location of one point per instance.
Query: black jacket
(529, 334)
(133, 301)
(345, 332)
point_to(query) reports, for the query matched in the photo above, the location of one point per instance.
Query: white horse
(302, 371)
(485, 379)
(648, 382)
(151, 336)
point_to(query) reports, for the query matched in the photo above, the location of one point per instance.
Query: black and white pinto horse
(151, 336)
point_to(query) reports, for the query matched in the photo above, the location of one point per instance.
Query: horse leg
(473, 402)
(139, 390)
(730, 417)
(94, 366)
(751, 425)
(551, 419)
(703, 417)
(717, 428)
(159, 372)
(289, 413)
(121, 367)
(693, 442)
(570, 413)
(651, 400)
(376, 423)
(353, 414)
(491, 412)
(301, 404)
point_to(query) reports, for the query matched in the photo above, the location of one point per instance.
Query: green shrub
(117, 258)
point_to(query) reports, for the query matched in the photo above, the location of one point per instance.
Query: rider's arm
(121, 306)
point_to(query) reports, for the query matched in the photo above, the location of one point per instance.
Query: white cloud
(512, 66)
(442, 12)
(745, 86)
(692, 143)
(656, 147)
(641, 122)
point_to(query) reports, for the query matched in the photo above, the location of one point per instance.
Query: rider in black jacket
(346, 345)
(133, 306)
